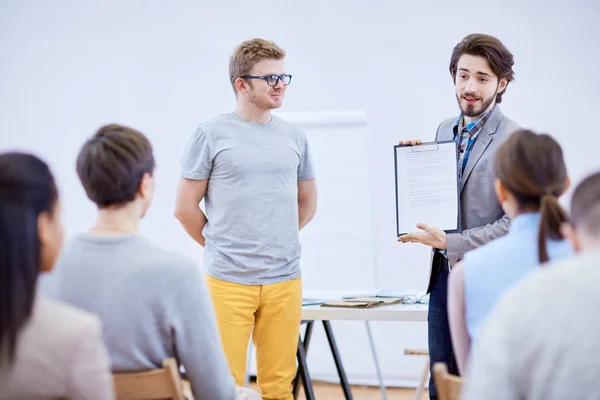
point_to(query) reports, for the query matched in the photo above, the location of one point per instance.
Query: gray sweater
(153, 305)
(541, 342)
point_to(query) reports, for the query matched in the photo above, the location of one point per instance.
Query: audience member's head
(531, 175)
(31, 236)
(584, 231)
(116, 168)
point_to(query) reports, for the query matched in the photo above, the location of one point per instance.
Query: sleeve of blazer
(90, 372)
(459, 243)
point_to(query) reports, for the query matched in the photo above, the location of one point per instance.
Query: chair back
(448, 386)
(158, 384)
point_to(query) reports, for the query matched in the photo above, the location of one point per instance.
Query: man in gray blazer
(481, 67)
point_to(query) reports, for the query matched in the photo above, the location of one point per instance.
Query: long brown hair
(532, 168)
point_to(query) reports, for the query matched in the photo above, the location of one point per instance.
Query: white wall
(67, 67)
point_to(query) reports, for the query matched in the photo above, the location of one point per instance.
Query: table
(310, 314)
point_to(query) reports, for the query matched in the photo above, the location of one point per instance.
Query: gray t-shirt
(153, 305)
(252, 196)
(541, 342)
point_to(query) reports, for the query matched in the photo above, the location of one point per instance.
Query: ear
(502, 85)
(569, 233)
(146, 188)
(44, 229)
(241, 86)
(501, 191)
(567, 186)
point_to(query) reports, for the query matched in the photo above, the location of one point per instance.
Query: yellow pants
(274, 311)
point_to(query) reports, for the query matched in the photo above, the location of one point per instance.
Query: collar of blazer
(483, 141)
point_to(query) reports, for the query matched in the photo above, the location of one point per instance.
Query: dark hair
(533, 169)
(585, 206)
(112, 163)
(498, 56)
(27, 189)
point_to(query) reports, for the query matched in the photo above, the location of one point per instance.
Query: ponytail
(552, 216)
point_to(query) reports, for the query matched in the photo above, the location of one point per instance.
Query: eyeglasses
(412, 299)
(272, 80)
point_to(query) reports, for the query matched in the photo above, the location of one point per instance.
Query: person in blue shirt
(530, 176)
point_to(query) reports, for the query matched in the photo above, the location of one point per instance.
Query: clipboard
(424, 149)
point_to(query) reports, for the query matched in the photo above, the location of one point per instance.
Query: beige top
(461, 340)
(60, 354)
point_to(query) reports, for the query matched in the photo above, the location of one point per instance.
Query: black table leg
(303, 367)
(338, 360)
(307, 336)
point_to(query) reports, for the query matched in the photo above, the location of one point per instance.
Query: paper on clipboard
(427, 187)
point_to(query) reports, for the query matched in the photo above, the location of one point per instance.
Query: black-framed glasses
(272, 80)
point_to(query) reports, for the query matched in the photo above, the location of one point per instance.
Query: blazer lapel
(445, 135)
(483, 141)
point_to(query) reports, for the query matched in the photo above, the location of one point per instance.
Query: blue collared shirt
(493, 268)
(465, 136)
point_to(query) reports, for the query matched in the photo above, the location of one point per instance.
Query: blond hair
(250, 52)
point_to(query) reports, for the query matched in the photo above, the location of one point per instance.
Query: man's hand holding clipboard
(428, 235)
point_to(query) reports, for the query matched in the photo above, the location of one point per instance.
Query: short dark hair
(585, 206)
(112, 163)
(498, 56)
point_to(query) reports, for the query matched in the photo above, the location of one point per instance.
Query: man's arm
(307, 201)
(458, 244)
(187, 207)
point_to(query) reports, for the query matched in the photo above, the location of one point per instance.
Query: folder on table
(362, 302)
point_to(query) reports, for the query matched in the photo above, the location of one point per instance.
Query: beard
(470, 110)
(259, 102)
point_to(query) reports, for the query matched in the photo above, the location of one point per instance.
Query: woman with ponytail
(530, 176)
(47, 349)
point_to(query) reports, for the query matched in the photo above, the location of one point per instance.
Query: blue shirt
(494, 267)
(465, 137)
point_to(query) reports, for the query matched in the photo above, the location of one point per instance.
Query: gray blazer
(482, 217)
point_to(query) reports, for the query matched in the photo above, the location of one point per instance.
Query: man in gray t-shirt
(255, 173)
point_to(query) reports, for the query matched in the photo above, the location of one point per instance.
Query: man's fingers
(410, 142)
(408, 238)
(423, 226)
(404, 238)
(413, 237)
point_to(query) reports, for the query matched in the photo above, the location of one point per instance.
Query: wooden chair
(448, 386)
(158, 384)
(424, 375)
